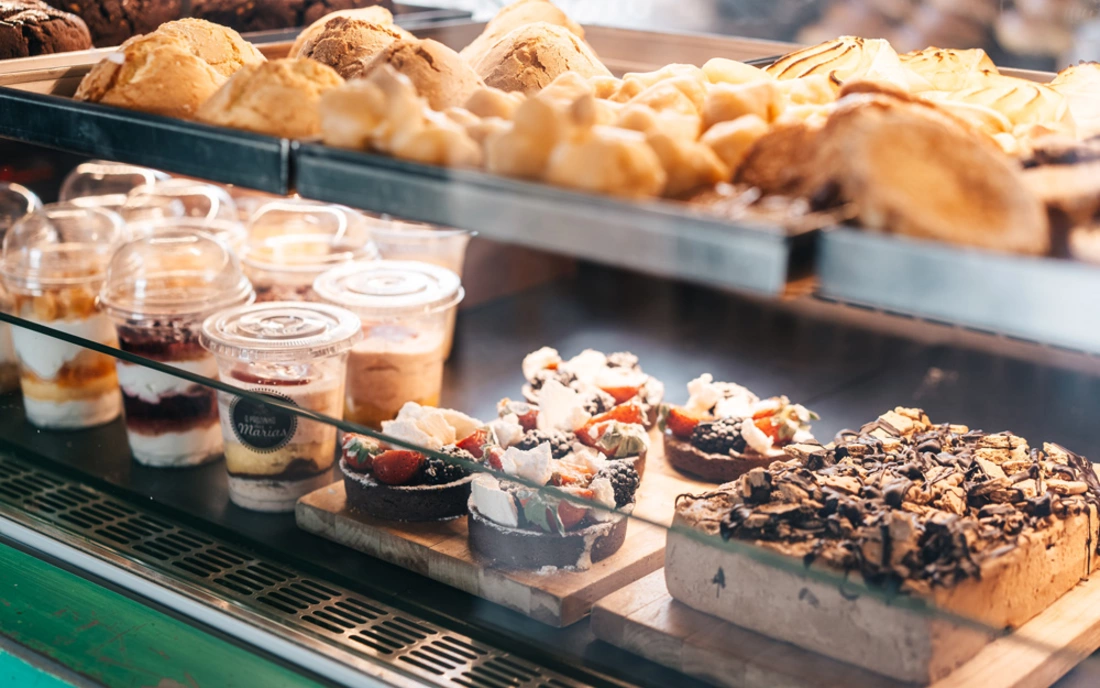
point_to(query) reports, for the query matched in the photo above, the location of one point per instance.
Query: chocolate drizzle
(909, 504)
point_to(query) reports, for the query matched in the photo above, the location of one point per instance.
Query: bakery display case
(516, 351)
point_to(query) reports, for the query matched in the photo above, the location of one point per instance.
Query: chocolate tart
(405, 502)
(715, 468)
(520, 548)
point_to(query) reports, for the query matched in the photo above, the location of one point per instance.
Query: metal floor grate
(350, 622)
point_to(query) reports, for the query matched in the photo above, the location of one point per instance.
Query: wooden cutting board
(644, 619)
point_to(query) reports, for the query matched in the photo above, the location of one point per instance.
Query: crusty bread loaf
(513, 16)
(375, 14)
(348, 44)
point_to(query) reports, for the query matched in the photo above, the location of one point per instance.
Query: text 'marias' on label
(260, 427)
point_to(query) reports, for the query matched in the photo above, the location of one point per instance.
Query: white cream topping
(188, 448)
(586, 365)
(492, 502)
(728, 400)
(150, 385)
(442, 426)
(409, 431)
(45, 356)
(539, 360)
(756, 439)
(603, 492)
(532, 465)
(82, 413)
(507, 430)
(560, 408)
(611, 378)
(585, 458)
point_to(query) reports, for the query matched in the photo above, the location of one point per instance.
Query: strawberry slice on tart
(724, 430)
(393, 483)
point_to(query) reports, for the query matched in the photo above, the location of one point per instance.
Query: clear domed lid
(383, 289)
(179, 198)
(174, 274)
(60, 245)
(281, 331)
(306, 236)
(105, 184)
(15, 202)
(229, 232)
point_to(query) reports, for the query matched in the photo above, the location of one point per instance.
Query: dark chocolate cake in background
(266, 15)
(30, 27)
(113, 21)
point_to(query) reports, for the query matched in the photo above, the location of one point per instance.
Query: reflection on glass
(15, 202)
(53, 264)
(104, 184)
(296, 353)
(158, 290)
(175, 198)
(229, 232)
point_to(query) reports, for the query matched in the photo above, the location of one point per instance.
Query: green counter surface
(112, 639)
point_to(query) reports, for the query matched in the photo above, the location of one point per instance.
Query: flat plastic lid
(61, 244)
(281, 331)
(173, 274)
(390, 288)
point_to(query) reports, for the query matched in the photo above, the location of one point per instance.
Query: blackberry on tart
(606, 380)
(396, 484)
(562, 420)
(520, 524)
(725, 430)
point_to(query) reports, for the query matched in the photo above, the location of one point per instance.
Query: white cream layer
(83, 413)
(45, 356)
(273, 495)
(170, 449)
(150, 385)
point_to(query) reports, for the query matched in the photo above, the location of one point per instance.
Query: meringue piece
(506, 430)
(561, 408)
(492, 502)
(755, 438)
(532, 465)
(409, 431)
(540, 360)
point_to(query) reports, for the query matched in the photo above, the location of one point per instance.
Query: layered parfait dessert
(291, 242)
(405, 309)
(288, 356)
(54, 261)
(15, 202)
(158, 290)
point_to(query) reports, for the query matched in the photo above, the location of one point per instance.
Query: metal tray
(1045, 300)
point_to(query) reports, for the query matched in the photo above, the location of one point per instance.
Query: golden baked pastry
(688, 164)
(170, 71)
(841, 59)
(732, 139)
(721, 70)
(911, 170)
(513, 16)
(1020, 100)
(528, 58)
(607, 160)
(437, 72)
(493, 102)
(1080, 85)
(781, 161)
(375, 14)
(279, 98)
(727, 102)
(348, 45)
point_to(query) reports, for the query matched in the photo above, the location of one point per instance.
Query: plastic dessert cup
(179, 198)
(291, 242)
(405, 308)
(295, 354)
(229, 232)
(53, 265)
(104, 184)
(440, 246)
(15, 202)
(158, 290)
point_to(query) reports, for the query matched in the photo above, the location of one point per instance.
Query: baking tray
(1045, 300)
(36, 107)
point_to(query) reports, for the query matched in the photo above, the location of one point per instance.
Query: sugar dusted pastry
(634, 83)
(437, 72)
(279, 98)
(514, 16)
(721, 70)
(528, 58)
(728, 102)
(348, 44)
(609, 160)
(688, 165)
(493, 102)
(732, 139)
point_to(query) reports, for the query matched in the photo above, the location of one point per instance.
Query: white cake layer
(150, 385)
(177, 449)
(45, 356)
(273, 495)
(82, 413)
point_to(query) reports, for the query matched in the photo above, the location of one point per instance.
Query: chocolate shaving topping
(910, 504)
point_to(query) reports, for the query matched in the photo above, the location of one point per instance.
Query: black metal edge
(658, 237)
(223, 155)
(1041, 299)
